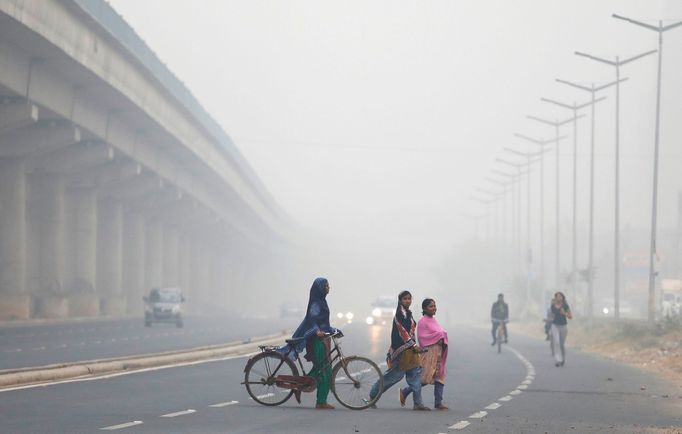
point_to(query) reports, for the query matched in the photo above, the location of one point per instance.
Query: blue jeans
(437, 392)
(394, 374)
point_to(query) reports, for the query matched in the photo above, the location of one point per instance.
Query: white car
(383, 309)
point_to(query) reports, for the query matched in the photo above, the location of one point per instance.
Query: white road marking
(493, 406)
(515, 392)
(460, 425)
(39, 348)
(479, 415)
(179, 413)
(523, 387)
(265, 395)
(224, 404)
(121, 426)
(505, 398)
(18, 350)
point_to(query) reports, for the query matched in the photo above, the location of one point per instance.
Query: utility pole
(593, 89)
(654, 205)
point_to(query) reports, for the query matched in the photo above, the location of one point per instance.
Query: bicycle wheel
(259, 378)
(351, 386)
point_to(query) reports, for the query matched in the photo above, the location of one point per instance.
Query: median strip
(91, 368)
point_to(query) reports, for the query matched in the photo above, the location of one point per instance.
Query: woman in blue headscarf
(313, 329)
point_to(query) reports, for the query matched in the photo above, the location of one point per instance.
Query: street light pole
(515, 178)
(654, 205)
(542, 143)
(593, 89)
(574, 107)
(529, 160)
(616, 245)
(557, 260)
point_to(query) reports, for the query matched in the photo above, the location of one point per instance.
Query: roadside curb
(63, 371)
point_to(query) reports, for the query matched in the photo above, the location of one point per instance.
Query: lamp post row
(593, 89)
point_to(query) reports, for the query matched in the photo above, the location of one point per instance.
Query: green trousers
(321, 370)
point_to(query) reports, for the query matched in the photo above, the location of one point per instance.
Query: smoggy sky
(372, 122)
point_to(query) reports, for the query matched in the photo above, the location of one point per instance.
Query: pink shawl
(429, 333)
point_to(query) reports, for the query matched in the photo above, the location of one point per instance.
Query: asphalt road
(485, 392)
(42, 344)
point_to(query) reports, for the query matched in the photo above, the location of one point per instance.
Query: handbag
(409, 359)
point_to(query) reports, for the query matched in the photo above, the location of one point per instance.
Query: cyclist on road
(499, 313)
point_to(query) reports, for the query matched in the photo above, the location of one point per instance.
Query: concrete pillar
(170, 257)
(133, 261)
(14, 302)
(153, 256)
(184, 264)
(45, 236)
(82, 252)
(109, 256)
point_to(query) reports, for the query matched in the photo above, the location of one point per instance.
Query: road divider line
(121, 426)
(506, 398)
(179, 413)
(224, 404)
(478, 415)
(515, 392)
(493, 406)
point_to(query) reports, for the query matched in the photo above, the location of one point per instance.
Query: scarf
(430, 333)
(316, 317)
(402, 332)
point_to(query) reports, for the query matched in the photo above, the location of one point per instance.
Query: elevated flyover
(113, 179)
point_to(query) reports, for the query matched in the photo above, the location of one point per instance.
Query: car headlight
(376, 312)
(605, 311)
(349, 316)
(339, 315)
(369, 320)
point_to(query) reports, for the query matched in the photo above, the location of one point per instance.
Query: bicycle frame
(328, 362)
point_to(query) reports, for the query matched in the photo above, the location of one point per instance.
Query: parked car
(163, 305)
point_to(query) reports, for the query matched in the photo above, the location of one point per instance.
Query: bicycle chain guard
(300, 383)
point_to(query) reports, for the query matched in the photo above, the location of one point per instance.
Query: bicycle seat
(294, 341)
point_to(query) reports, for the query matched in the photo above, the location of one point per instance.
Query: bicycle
(271, 378)
(501, 332)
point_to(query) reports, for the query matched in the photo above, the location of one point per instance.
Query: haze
(372, 124)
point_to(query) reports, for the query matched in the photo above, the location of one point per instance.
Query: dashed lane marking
(506, 398)
(121, 426)
(515, 392)
(460, 425)
(493, 406)
(224, 404)
(523, 387)
(179, 413)
(478, 415)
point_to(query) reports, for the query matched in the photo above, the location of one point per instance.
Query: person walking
(433, 339)
(403, 356)
(314, 328)
(562, 313)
